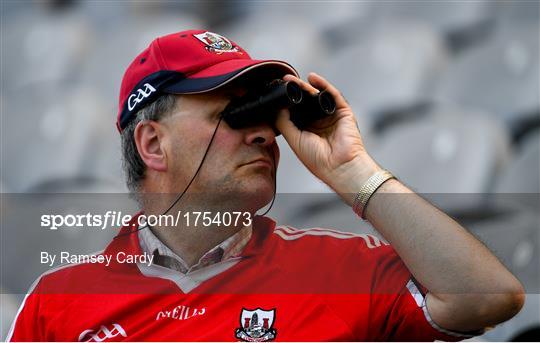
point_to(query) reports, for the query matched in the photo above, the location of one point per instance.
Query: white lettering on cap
(140, 95)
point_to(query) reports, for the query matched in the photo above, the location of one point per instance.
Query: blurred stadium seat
(393, 65)
(451, 150)
(461, 23)
(41, 49)
(516, 11)
(518, 186)
(322, 15)
(444, 16)
(50, 132)
(3, 188)
(278, 35)
(523, 173)
(499, 76)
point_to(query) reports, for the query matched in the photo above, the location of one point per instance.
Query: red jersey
(286, 285)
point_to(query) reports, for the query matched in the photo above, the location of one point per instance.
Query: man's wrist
(350, 177)
(368, 189)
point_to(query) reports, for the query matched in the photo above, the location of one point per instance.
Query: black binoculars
(262, 106)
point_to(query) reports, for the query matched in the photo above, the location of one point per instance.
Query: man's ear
(148, 138)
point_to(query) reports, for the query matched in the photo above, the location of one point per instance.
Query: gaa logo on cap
(140, 95)
(216, 43)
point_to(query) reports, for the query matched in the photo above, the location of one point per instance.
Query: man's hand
(332, 149)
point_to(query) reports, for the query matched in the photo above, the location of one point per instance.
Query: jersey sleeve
(398, 310)
(27, 325)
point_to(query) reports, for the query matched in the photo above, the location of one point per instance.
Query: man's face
(239, 167)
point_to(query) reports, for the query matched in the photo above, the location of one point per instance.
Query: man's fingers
(287, 128)
(321, 83)
(303, 84)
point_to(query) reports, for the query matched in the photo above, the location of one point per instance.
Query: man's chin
(246, 194)
(255, 198)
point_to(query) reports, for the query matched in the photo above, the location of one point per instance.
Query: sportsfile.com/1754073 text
(114, 219)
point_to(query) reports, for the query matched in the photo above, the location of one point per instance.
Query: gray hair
(133, 165)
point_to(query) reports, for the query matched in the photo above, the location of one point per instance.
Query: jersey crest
(256, 325)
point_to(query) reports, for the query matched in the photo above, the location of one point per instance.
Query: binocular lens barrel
(327, 103)
(313, 107)
(253, 109)
(280, 95)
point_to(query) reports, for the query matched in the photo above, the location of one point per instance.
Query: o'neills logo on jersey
(256, 325)
(139, 95)
(181, 312)
(104, 333)
(216, 43)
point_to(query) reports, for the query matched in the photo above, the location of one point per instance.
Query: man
(250, 279)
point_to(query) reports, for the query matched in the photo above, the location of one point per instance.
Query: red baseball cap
(187, 62)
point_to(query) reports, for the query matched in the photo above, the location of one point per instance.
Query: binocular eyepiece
(262, 107)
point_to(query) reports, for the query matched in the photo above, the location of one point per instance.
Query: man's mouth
(260, 162)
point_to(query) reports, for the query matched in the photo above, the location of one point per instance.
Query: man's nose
(262, 135)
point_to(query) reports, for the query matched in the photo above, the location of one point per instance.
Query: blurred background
(446, 94)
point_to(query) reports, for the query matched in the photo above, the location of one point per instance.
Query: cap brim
(223, 73)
